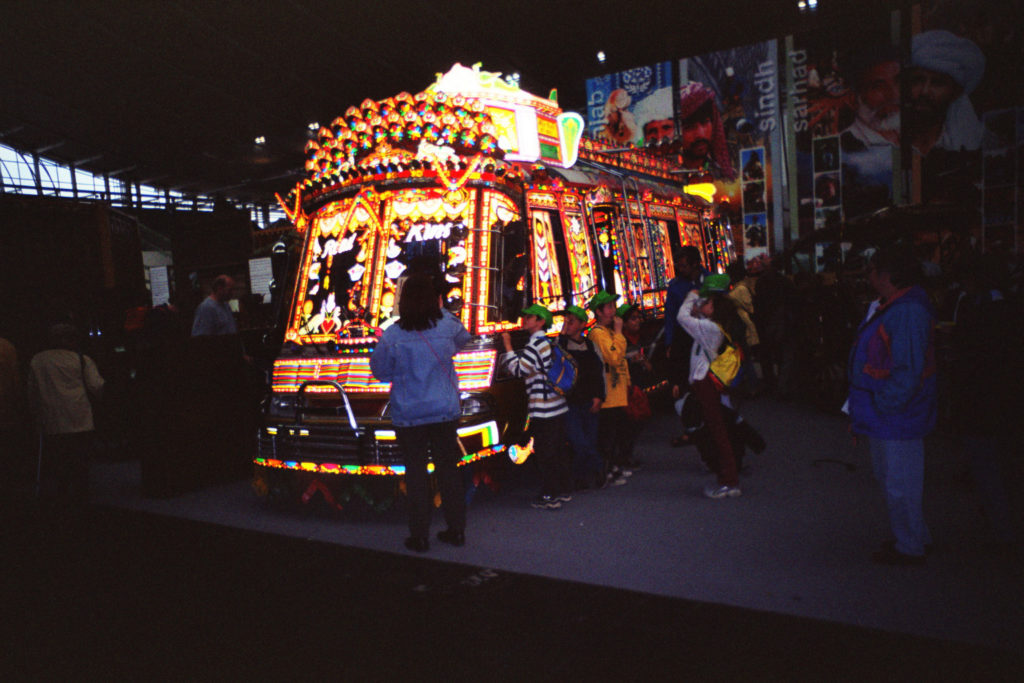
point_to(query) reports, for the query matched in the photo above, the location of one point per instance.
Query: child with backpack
(584, 400)
(705, 315)
(546, 406)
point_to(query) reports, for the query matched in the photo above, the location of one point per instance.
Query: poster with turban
(843, 122)
(962, 119)
(631, 107)
(730, 126)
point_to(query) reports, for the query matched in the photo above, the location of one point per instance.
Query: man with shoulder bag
(62, 382)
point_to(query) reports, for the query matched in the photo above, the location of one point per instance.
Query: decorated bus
(496, 188)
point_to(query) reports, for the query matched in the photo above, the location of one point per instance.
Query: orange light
(703, 190)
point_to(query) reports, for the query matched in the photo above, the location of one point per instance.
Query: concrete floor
(798, 542)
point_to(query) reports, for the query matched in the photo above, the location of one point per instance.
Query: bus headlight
(476, 404)
(281, 405)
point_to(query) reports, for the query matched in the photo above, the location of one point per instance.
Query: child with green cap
(545, 407)
(613, 433)
(585, 400)
(704, 315)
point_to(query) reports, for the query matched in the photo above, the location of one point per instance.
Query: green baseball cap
(715, 284)
(600, 299)
(540, 312)
(577, 312)
(624, 309)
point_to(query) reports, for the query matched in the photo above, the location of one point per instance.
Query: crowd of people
(56, 404)
(923, 346)
(582, 436)
(891, 377)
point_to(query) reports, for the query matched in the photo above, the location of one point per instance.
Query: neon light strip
(474, 368)
(493, 205)
(372, 470)
(469, 248)
(582, 261)
(488, 432)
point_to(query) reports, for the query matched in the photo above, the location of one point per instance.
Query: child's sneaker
(616, 478)
(715, 490)
(620, 471)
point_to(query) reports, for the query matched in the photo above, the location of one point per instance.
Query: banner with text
(631, 107)
(843, 115)
(730, 126)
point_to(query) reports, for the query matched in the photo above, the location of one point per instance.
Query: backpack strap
(548, 389)
(726, 343)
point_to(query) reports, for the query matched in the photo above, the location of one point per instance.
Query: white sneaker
(715, 490)
(616, 479)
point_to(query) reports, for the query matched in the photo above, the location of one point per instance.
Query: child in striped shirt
(546, 407)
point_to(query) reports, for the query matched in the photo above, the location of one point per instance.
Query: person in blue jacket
(416, 356)
(893, 396)
(689, 274)
(677, 341)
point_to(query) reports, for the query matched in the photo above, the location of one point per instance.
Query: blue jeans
(899, 467)
(581, 426)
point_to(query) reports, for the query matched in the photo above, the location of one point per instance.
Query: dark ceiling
(173, 93)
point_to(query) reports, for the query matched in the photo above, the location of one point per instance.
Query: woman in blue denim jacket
(416, 356)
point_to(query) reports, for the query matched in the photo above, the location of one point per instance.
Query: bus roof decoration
(442, 174)
(467, 118)
(530, 127)
(388, 136)
(467, 114)
(630, 158)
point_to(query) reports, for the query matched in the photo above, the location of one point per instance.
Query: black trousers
(616, 434)
(437, 441)
(554, 457)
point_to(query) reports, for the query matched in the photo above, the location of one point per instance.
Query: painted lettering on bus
(422, 232)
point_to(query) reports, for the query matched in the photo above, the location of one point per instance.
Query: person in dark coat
(585, 401)
(678, 342)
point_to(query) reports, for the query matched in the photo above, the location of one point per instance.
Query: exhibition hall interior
(451, 340)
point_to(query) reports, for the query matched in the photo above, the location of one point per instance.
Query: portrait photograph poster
(742, 86)
(620, 105)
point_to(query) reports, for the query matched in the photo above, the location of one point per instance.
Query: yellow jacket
(611, 347)
(741, 295)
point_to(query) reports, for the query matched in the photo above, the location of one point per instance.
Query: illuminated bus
(491, 184)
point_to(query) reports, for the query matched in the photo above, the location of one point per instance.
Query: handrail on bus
(300, 401)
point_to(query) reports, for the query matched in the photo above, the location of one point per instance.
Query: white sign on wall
(159, 285)
(260, 275)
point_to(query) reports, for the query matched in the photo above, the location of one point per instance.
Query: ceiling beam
(46, 148)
